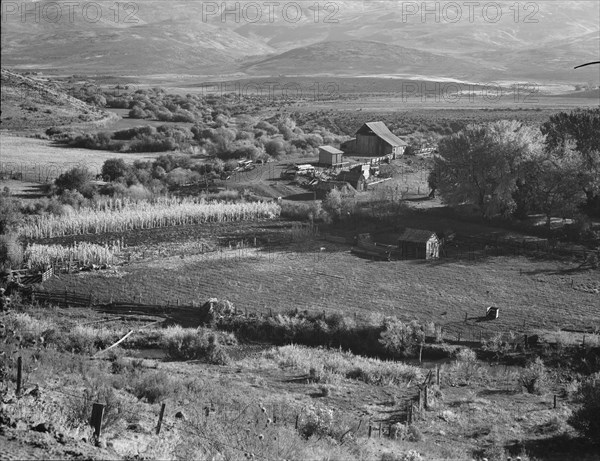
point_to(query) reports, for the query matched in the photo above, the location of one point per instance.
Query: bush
(535, 377)
(77, 179)
(10, 215)
(154, 387)
(11, 252)
(586, 419)
(200, 344)
(402, 339)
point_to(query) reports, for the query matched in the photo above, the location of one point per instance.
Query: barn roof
(416, 235)
(383, 132)
(331, 149)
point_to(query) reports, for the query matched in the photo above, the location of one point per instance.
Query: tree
(480, 165)
(587, 418)
(115, 168)
(401, 339)
(432, 181)
(77, 179)
(10, 214)
(553, 182)
(579, 131)
(333, 204)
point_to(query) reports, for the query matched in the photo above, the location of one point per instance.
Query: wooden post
(465, 317)
(426, 397)
(390, 430)
(90, 301)
(379, 430)
(554, 400)
(437, 367)
(420, 400)
(160, 418)
(370, 430)
(96, 419)
(19, 375)
(297, 417)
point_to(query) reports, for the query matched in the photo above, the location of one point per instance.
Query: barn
(330, 156)
(374, 139)
(419, 243)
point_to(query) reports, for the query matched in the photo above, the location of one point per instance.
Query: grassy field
(530, 293)
(41, 160)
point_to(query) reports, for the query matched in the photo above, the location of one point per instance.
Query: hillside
(359, 57)
(541, 41)
(32, 103)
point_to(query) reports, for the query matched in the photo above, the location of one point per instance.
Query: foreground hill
(33, 103)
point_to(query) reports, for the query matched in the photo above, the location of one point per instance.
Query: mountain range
(534, 41)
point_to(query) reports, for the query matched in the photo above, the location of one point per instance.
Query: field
(281, 377)
(323, 276)
(41, 160)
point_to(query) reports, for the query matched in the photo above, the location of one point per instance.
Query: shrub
(200, 344)
(77, 179)
(535, 378)
(78, 409)
(586, 419)
(154, 387)
(316, 421)
(10, 216)
(402, 339)
(11, 252)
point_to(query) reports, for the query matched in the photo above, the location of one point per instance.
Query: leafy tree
(76, 179)
(579, 130)
(10, 214)
(402, 339)
(480, 165)
(587, 418)
(115, 168)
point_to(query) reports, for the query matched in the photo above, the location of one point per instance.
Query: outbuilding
(330, 156)
(419, 244)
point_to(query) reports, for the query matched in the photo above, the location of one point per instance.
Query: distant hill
(356, 57)
(30, 103)
(540, 41)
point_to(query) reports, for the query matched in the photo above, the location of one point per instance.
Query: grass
(336, 281)
(328, 366)
(40, 160)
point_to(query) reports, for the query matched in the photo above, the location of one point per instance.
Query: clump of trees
(511, 169)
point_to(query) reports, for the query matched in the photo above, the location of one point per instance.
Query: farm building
(356, 177)
(330, 156)
(419, 243)
(374, 139)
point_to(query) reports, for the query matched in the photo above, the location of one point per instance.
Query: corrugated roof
(331, 149)
(416, 235)
(383, 132)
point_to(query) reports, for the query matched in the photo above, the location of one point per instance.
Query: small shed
(330, 156)
(492, 313)
(419, 243)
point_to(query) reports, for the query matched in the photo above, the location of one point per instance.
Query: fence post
(437, 367)
(96, 420)
(379, 430)
(19, 375)
(297, 417)
(426, 397)
(554, 400)
(370, 429)
(160, 418)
